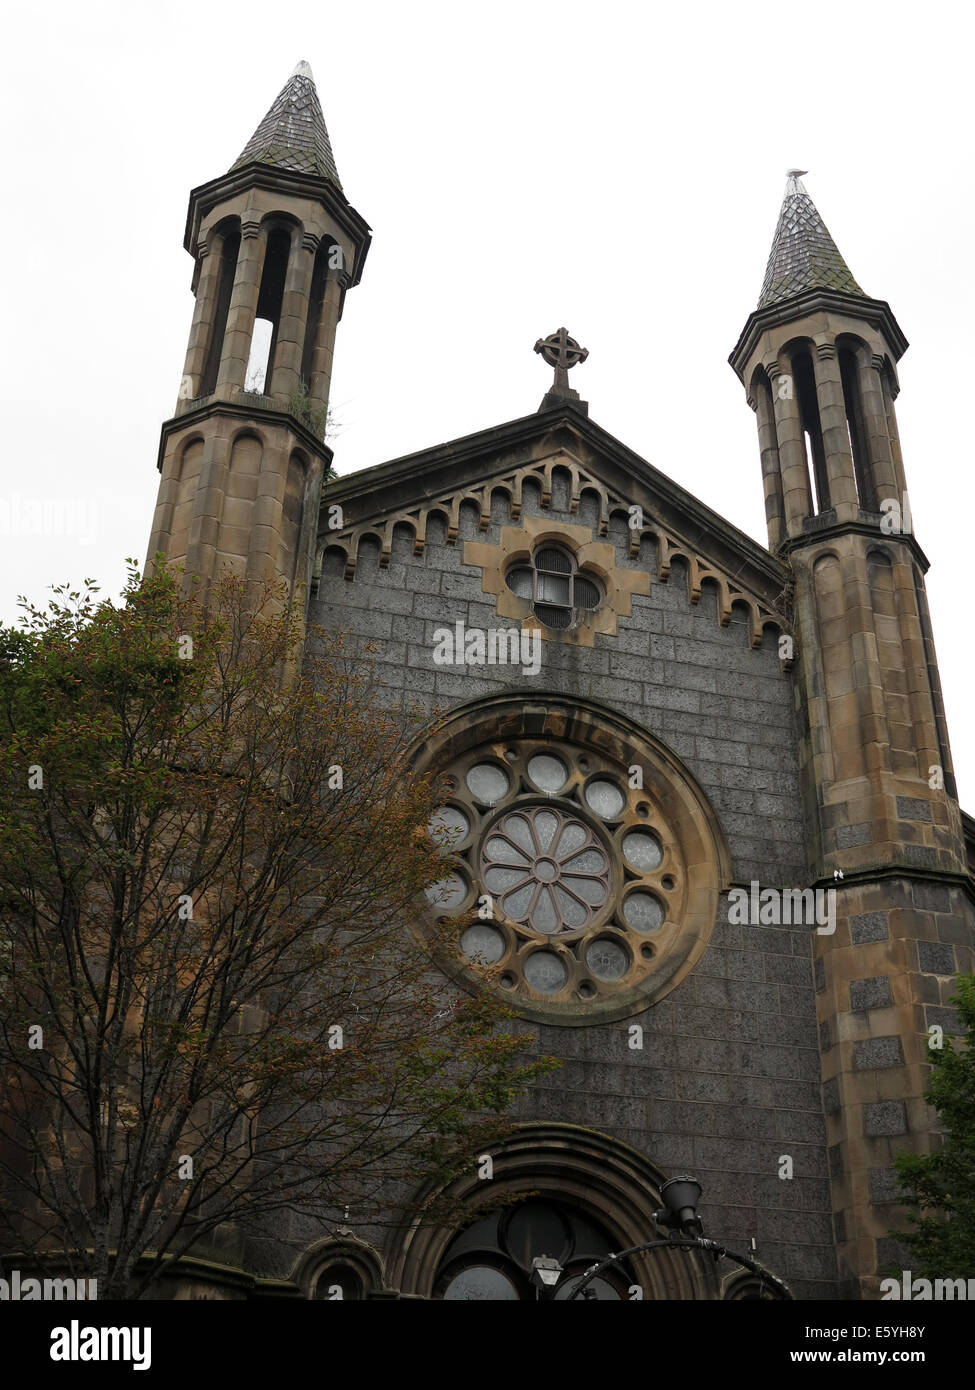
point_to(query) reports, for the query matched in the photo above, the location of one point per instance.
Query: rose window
(581, 864)
(566, 879)
(546, 869)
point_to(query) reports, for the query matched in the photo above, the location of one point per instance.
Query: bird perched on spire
(795, 173)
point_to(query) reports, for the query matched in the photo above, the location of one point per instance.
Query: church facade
(702, 788)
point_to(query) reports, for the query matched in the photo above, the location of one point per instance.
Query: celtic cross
(561, 352)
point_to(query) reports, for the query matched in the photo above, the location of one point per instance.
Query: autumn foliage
(213, 1008)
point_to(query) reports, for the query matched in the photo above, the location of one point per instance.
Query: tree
(941, 1185)
(212, 1005)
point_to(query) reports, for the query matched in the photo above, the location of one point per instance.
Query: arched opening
(338, 1283)
(229, 247)
(260, 363)
(853, 403)
(812, 430)
(339, 1269)
(571, 1194)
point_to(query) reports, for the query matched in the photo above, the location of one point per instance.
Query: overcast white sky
(614, 167)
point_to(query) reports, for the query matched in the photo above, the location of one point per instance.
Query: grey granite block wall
(727, 1083)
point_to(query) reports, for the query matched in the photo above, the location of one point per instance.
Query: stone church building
(705, 786)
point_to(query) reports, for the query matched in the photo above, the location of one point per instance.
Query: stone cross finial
(561, 352)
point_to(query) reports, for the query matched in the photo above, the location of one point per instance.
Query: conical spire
(292, 135)
(804, 256)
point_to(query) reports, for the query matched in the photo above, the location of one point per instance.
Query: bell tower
(818, 359)
(275, 245)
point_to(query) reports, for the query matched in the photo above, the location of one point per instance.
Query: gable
(532, 452)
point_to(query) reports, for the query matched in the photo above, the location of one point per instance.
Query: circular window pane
(643, 912)
(601, 893)
(547, 772)
(545, 972)
(606, 959)
(482, 944)
(480, 1281)
(448, 826)
(642, 850)
(605, 798)
(448, 893)
(487, 782)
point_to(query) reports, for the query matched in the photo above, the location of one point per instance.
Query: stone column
(204, 315)
(336, 282)
(761, 403)
(835, 431)
(897, 459)
(886, 483)
(243, 308)
(294, 316)
(796, 497)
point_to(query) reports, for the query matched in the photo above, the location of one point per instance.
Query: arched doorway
(581, 1191)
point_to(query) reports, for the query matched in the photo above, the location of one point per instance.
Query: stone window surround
(518, 544)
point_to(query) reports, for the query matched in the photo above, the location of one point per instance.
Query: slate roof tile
(293, 135)
(804, 256)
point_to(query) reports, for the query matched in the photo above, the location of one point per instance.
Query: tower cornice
(248, 412)
(876, 312)
(209, 195)
(821, 528)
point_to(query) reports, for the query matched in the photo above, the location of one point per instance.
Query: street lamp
(546, 1273)
(681, 1196)
(679, 1214)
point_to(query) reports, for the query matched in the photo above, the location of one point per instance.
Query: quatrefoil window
(554, 587)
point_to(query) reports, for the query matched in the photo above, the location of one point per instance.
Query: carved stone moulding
(670, 547)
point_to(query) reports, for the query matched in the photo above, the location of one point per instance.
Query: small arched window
(805, 386)
(228, 250)
(552, 583)
(856, 428)
(338, 1283)
(267, 321)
